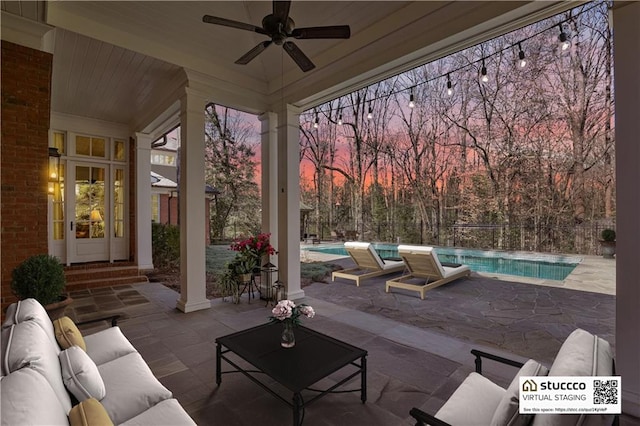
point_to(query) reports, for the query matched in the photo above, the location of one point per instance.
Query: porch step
(82, 277)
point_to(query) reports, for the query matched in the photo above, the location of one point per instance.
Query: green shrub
(608, 235)
(40, 277)
(165, 242)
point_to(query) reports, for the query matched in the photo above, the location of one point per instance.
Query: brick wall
(26, 100)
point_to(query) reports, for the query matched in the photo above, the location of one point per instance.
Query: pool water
(533, 265)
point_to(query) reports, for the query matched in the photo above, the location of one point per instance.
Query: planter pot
(608, 249)
(57, 309)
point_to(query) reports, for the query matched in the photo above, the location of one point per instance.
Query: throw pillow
(67, 334)
(89, 413)
(507, 412)
(80, 374)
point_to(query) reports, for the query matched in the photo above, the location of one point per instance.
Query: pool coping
(593, 273)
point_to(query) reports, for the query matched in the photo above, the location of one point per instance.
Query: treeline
(530, 149)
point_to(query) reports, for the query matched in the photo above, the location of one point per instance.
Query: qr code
(605, 391)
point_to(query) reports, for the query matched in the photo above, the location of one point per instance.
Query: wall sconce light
(53, 170)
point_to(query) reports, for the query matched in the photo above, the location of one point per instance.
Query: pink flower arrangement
(257, 245)
(288, 311)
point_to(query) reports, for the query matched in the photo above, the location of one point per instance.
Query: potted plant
(244, 266)
(41, 277)
(608, 243)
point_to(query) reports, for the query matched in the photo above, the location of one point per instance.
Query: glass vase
(287, 339)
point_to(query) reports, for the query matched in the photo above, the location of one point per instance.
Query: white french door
(88, 212)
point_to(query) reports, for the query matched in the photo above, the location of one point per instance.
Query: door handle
(71, 226)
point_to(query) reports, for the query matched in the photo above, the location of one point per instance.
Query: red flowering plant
(255, 246)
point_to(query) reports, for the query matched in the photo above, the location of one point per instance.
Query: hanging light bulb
(563, 39)
(315, 122)
(449, 86)
(483, 72)
(523, 62)
(370, 114)
(340, 118)
(412, 102)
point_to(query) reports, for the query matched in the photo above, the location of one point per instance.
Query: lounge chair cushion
(107, 345)
(167, 412)
(30, 310)
(507, 412)
(473, 403)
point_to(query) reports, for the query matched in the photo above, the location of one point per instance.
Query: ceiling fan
(279, 26)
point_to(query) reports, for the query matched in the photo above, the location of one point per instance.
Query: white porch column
(626, 39)
(269, 180)
(193, 295)
(143, 201)
(289, 201)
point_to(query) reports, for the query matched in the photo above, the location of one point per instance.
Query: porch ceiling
(117, 61)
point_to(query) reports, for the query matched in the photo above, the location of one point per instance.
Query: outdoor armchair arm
(480, 354)
(113, 318)
(424, 419)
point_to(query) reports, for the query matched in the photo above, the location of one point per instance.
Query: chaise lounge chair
(423, 265)
(369, 264)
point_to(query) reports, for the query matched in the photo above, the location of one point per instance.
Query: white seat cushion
(131, 387)
(107, 345)
(473, 403)
(167, 412)
(28, 399)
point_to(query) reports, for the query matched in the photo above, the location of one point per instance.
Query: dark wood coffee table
(314, 357)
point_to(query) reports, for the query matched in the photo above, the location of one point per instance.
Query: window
(93, 147)
(118, 150)
(163, 159)
(118, 203)
(155, 208)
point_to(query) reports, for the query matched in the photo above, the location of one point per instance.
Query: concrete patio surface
(418, 350)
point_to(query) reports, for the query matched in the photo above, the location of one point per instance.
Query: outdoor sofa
(48, 378)
(479, 401)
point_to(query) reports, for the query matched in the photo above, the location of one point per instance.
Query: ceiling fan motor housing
(276, 29)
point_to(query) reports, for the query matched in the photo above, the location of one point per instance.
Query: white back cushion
(29, 347)
(30, 310)
(28, 399)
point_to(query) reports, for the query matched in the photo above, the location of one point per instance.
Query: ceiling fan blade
(248, 57)
(337, 31)
(300, 58)
(281, 10)
(233, 24)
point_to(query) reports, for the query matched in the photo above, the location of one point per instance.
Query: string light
(315, 122)
(563, 38)
(523, 62)
(483, 71)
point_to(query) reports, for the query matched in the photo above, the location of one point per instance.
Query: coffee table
(314, 357)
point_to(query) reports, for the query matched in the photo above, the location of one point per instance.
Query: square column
(269, 172)
(289, 201)
(626, 45)
(143, 201)
(193, 294)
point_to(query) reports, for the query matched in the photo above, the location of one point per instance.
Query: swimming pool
(533, 265)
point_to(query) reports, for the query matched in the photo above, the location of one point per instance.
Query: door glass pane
(118, 203)
(83, 145)
(90, 202)
(58, 207)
